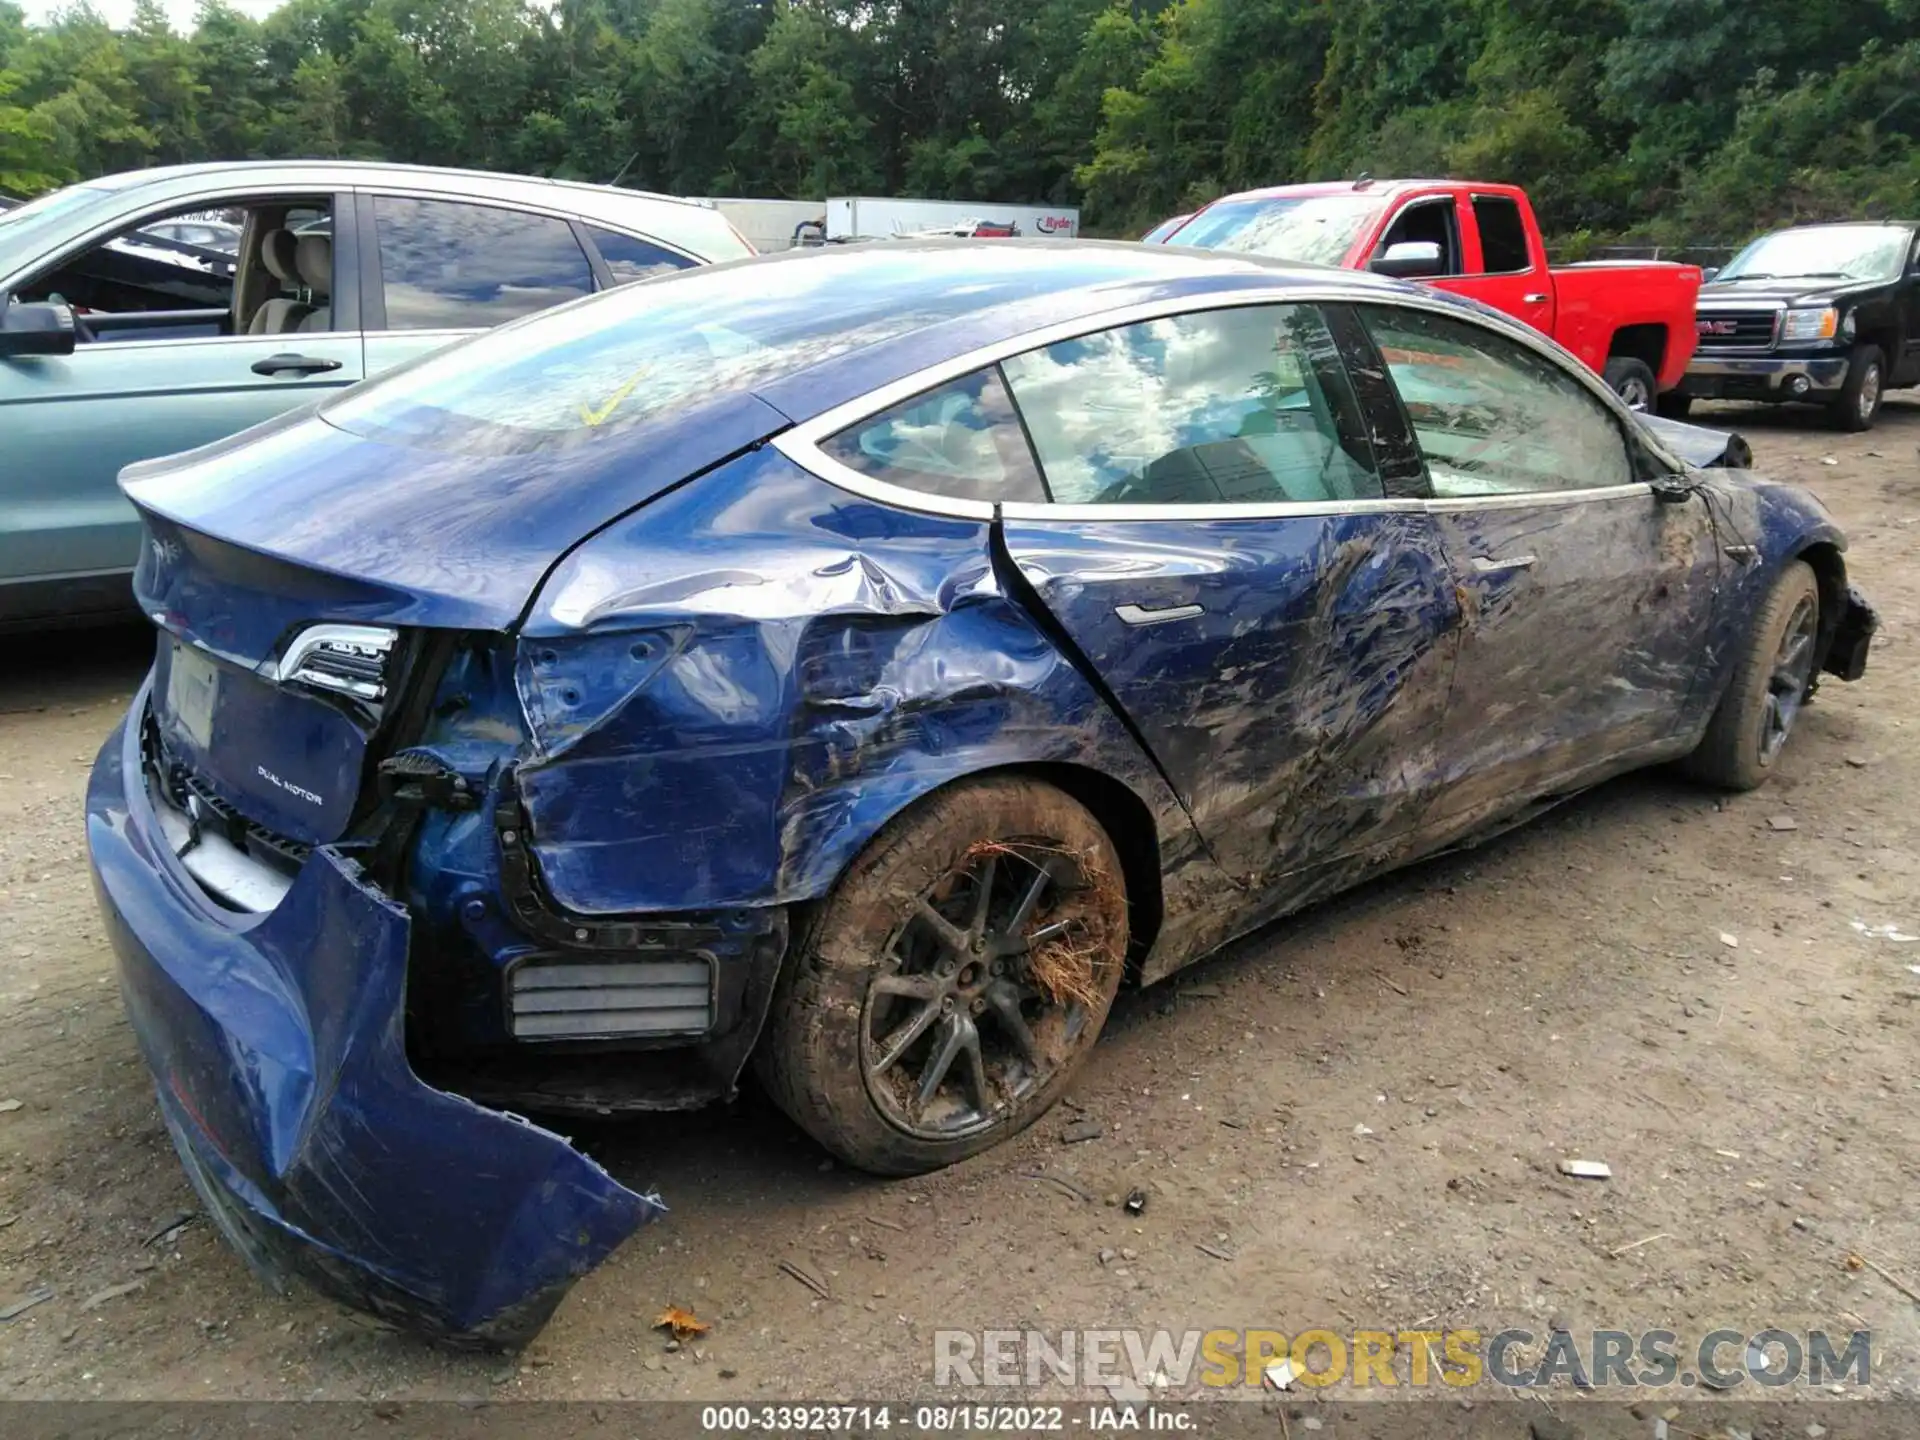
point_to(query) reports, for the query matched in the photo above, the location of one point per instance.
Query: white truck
(860, 217)
(774, 225)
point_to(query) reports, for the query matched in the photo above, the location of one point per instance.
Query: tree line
(1667, 120)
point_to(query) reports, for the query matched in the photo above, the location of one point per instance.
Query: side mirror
(1408, 260)
(1708, 273)
(35, 329)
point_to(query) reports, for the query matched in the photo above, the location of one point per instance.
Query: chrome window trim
(802, 443)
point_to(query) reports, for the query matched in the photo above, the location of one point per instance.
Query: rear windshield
(638, 353)
(1317, 229)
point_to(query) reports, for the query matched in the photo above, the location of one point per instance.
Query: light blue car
(120, 342)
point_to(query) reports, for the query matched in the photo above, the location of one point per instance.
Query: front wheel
(1858, 404)
(946, 991)
(1632, 380)
(1771, 682)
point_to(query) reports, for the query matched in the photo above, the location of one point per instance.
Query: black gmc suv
(1827, 314)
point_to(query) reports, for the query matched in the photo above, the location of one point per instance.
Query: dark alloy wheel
(1788, 681)
(947, 989)
(1771, 681)
(963, 1027)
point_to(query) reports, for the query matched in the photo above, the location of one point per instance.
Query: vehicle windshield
(22, 228)
(640, 352)
(1318, 229)
(1160, 233)
(1839, 252)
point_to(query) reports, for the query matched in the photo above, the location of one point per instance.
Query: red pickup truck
(1631, 321)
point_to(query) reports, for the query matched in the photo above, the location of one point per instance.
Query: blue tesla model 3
(858, 664)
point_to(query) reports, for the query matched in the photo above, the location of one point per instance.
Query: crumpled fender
(277, 1044)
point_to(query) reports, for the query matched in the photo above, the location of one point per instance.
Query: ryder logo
(1056, 224)
(296, 790)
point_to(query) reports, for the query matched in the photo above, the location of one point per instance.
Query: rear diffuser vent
(551, 999)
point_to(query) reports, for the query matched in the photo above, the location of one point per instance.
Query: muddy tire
(1770, 685)
(942, 996)
(1632, 380)
(1858, 404)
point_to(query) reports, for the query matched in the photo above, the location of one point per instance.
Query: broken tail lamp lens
(1822, 324)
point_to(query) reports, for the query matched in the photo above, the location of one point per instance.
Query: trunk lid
(426, 537)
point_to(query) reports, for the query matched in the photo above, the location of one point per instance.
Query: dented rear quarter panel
(825, 662)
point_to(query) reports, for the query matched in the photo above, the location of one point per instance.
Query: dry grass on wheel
(1077, 966)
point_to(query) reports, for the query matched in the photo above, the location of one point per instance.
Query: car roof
(691, 225)
(363, 171)
(1017, 286)
(1364, 186)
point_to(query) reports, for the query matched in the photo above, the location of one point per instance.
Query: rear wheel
(946, 991)
(1770, 684)
(1632, 380)
(1858, 404)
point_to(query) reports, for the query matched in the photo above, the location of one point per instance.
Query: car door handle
(1488, 565)
(1539, 299)
(298, 364)
(1140, 615)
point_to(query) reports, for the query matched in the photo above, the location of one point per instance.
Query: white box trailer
(772, 225)
(861, 217)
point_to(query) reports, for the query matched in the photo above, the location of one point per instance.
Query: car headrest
(277, 249)
(313, 257)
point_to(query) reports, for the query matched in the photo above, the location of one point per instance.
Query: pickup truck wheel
(1674, 405)
(1771, 682)
(1632, 380)
(944, 993)
(1858, 405)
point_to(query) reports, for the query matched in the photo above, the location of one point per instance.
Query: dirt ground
(1360, 1113)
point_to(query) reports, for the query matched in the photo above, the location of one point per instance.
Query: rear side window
(961, 440)
(447, 265)
(1245, 406)
(1503, 236)
(630, 259)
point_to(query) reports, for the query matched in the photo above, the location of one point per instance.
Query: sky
(119, 12)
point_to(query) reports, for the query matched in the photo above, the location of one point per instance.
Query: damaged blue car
(856, 665)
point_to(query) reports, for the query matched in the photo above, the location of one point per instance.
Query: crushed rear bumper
(1847, 652)
(277, 1045)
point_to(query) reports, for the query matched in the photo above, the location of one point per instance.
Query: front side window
(1431, 222)
(447, 265)
(1244, 406)
(630, 259)
(961, 440)
(1493, 417)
